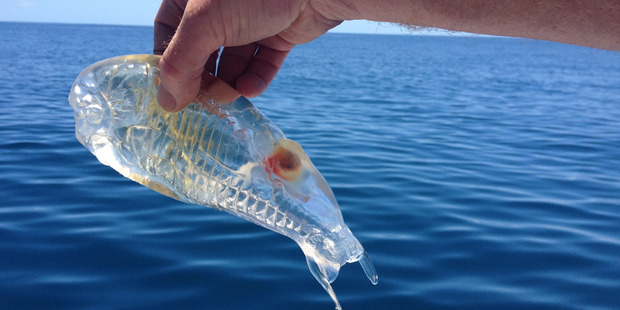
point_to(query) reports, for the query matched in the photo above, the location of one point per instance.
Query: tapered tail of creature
(322, 277)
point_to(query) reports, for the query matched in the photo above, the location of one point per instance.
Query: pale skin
(257, 35)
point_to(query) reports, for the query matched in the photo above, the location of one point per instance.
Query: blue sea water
(479, 173)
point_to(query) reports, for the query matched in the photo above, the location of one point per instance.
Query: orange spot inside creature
(283, 163)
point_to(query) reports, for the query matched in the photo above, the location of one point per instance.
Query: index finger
(166, 22)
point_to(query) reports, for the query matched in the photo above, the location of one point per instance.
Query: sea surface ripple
(479, 173)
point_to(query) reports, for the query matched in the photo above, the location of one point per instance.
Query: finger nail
(165, 99)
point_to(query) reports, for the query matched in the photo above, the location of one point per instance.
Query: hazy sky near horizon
(128, 12)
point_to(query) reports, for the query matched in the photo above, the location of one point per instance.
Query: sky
(129, 12)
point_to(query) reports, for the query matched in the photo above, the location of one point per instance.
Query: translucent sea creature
(220, 152)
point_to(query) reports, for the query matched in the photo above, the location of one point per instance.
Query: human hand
(257, 36)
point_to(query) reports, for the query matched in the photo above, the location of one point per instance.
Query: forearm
(594, 23)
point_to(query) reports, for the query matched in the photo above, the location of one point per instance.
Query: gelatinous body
(220, 152)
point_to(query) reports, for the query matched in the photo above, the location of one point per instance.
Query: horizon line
(404, 32)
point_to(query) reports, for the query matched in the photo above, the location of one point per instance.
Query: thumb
(183, 61)
(178, 87)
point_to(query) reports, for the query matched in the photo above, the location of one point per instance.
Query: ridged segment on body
(196, 154)
(223, 189)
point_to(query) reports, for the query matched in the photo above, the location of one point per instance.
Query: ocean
(478, 173)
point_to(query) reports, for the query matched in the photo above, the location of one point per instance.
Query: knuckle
(174, 71)
(168, 71)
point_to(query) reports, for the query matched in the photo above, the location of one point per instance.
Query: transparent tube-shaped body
(220, 152)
